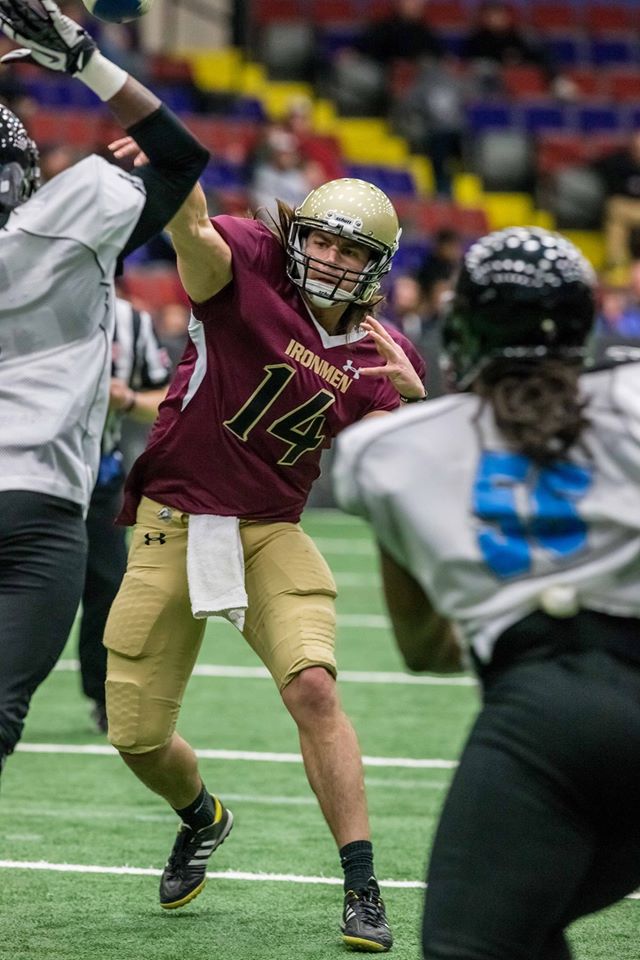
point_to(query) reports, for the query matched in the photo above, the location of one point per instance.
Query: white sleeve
(93, 203)
(352, 447)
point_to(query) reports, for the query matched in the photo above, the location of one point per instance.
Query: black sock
(357, 862)
(200, 813)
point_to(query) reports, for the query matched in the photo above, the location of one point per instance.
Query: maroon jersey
(261, 389)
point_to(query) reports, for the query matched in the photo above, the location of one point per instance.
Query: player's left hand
(45, 35)
(127, 147)
(398, 368)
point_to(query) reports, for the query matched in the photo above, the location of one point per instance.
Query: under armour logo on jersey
(350, 368)
(158, 538)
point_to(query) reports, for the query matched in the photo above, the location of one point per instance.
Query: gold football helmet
(349, 208)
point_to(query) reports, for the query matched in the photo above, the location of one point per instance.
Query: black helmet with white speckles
(19, 164)
(524, 293)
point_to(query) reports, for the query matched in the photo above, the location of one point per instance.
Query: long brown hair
(536, 404)
(355, 312)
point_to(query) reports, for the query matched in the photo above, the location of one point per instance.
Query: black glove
(47, 36)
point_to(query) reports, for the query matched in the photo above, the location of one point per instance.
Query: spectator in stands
(431, 116)
(320, 154)
(171, 325)
(443, 260)
(403, 34)
(280, 173)
(497, 42)
(416, 310)
(361, 72)
(619, 313)
(620, 173)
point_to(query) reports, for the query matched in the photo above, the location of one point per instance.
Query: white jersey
(486, 532)
(58, 253)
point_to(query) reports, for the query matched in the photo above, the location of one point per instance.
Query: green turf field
(82, 843)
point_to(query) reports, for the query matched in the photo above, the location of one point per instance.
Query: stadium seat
(612, 51)
(523, 80)
(566, 51)
(447, 14)
(153, 288)
(599, 119)
(546, 16)
(576, 198)
(623, 85)
(270, 11)
(504, 160)
(557, 150)
(588, 81)
(544, 116)
(287, 49)
(601, 18)
(489, 116)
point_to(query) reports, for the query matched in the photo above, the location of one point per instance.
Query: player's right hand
(127, 147)
(46, 36)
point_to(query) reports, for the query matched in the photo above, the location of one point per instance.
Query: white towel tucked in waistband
(215, 568)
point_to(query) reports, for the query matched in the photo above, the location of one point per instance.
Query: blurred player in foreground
(58, 252)
(511, 510)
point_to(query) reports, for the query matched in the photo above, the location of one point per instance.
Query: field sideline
(82, 843)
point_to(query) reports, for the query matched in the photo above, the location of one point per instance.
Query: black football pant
(541, 823)
(106, 566)
(42, 561)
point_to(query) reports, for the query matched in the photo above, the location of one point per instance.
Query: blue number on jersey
(554, 524)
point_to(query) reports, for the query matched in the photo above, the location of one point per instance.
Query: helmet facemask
(346, 208)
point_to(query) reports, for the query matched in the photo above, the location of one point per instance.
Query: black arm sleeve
(176, 160)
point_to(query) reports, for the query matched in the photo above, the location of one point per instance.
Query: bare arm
(426, 640)
(140, 405)
(204, 258)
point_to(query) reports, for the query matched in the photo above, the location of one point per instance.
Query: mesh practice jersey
(486, 532)
(260, 391)
(58, 254)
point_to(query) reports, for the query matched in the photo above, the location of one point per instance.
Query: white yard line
(345, 676)
(83, 868)
(252, 756)
(215, 875)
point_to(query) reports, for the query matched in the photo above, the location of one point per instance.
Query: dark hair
(355, 312)
(536, 404)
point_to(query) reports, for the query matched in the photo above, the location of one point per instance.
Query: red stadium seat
(447, 15)
(524, 81)
(608, 19)
(333, 11)
(270, 11)
(152, 289)
(623, 85)
(558, 150)
(590, 82)
(554, 16)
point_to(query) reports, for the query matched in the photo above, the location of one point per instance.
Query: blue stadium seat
(490, 116)
(247, 108)
(566, 51)
(391, 181)
(612, 52)
(410, 256)
(599, 119)
(221, 175)
(60, 92)
(453, 41)
(177, 97)
(538, 117)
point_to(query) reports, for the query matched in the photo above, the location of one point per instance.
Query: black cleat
(364, 922)
(185, 874)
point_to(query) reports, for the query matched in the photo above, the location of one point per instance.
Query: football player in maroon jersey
(283, 354)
